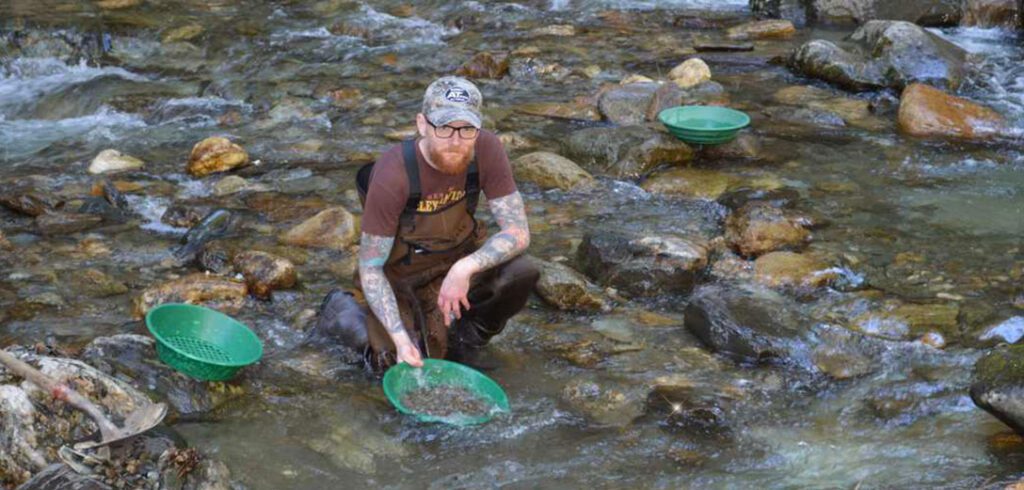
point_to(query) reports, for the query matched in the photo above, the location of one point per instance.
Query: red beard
(450, 162)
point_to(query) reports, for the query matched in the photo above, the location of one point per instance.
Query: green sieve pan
(403, 378)
(704, 124)
(202, 343)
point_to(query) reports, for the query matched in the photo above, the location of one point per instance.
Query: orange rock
(927, 111)
(215, 155)
(484, 65)
(762, 29)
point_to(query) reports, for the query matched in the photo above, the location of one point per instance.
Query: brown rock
(990, 13)
(333, 228)
(567, 289)
(209, 290)
(792, 269)
(484, 65)
(29, 201)
(117, 4)
(186, 32)
(346, 98)
(215, 155)
(281, 207)
(762, 29)
(576, 111)
(759, 228)
(690, 73)
(550, 171)
(57, 223)
(264, 272)
(927, 111)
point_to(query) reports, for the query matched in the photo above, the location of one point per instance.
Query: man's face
(450, 155)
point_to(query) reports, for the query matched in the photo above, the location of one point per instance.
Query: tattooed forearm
(373, 253)
(514, 238)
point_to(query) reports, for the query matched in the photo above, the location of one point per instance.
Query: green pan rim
(248, 333)
(501, 403)
(683, 108)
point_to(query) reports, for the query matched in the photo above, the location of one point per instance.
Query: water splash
(152, 209)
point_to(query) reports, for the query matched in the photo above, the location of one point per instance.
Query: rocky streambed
(831, 300)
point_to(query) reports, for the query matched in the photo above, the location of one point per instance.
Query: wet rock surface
(929, 112)
(643, 265)
(997, 385)
(882, 54)
(750, 325)
(624, 152)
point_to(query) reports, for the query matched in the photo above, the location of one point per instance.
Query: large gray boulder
(922, 12)
(998, 385)
(624, 152)
(643, 265)
(883, 54)
(750, 325)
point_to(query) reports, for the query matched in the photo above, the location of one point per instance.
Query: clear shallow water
(263, 79)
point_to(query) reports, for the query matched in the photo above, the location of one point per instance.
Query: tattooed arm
(373, 253)
(512, 240)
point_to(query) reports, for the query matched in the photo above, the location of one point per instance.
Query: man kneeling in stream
(435, 284)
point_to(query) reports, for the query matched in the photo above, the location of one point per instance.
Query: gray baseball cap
(452, 99)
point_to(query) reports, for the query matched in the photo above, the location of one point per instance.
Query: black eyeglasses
(445, 132)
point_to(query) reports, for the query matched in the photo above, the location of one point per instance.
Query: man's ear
(421, 125)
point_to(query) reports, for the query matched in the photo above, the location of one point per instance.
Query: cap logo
(457, 95)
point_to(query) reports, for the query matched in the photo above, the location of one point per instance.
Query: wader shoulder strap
(412, 172)
(472, 187)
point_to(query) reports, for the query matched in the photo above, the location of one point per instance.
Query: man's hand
(406, 351)
(454, 290)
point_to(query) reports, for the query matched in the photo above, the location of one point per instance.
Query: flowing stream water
(261, 73)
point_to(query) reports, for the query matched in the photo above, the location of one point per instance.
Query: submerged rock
(215, 155)
(550, 171)
(997, 385)
(485, 65)
(693, 183)
(929, 112)
(884, 54)
(643, 265)
(906, 321)
(793, 270)
(606, 402)
(574, 110)
(59, 223)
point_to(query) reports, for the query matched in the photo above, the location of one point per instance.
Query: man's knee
(341, 319)
(520, 272)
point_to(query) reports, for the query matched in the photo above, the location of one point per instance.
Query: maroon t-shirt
(389, 186)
